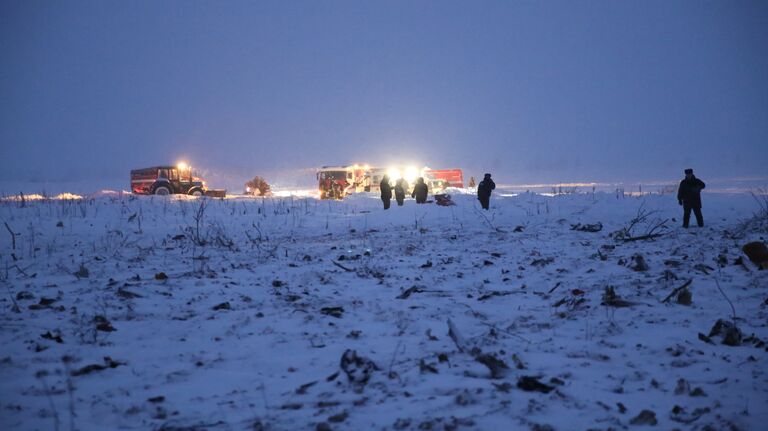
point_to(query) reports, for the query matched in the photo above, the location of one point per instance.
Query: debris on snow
(727, 331)
(82, 272)
(597, 227)
(638, 263)
(532, 384)
(645, 417)
(757, 252)
(542, 262)
(679, 292)
(88, 369)
(611, 299)
(287, 300)
(223, 306)
(336, 312)
(357, 368)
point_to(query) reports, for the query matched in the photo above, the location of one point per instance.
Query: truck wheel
(196, 192)
(162, 191)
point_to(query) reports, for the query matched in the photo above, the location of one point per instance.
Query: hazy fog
(531, 91)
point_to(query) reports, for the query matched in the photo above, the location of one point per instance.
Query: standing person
(472, 183)
(689, 196)
(484, 191)
(420, 191)
(401, 186)
(386, 191)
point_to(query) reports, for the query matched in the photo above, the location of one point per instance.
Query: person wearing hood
(484, 190)
(689, 196)
(401, 186)
(420, 191)
(386, 191)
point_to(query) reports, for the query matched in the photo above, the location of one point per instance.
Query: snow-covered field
(124, 312)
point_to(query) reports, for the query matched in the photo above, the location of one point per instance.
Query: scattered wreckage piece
(357, 368)
(597, 227)
(678, 291)
(728, 331)
(497, 367)
(757, 252)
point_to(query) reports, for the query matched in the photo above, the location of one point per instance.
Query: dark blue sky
(529, 90)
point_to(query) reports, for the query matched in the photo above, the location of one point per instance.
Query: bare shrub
(652, 227)
(258, 186)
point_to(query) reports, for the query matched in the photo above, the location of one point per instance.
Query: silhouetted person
(689, 196)
(484, 190)
(420, 191)
(386, 191)
(401, 186)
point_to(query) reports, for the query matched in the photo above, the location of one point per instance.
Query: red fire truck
(335, 182)
(451, 177)
(167, 180)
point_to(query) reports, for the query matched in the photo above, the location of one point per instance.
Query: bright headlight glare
(394, 174)
(411, 173)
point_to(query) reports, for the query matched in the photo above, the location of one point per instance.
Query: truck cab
(333, 181)
(166, 180)
(336, 182)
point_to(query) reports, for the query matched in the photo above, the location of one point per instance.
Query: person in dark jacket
(420, 191)
(337, 194)
(484, 190)
(386, 191)
(689, 196)
(401, 186)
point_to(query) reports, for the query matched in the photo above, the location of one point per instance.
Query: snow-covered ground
(125, 312)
